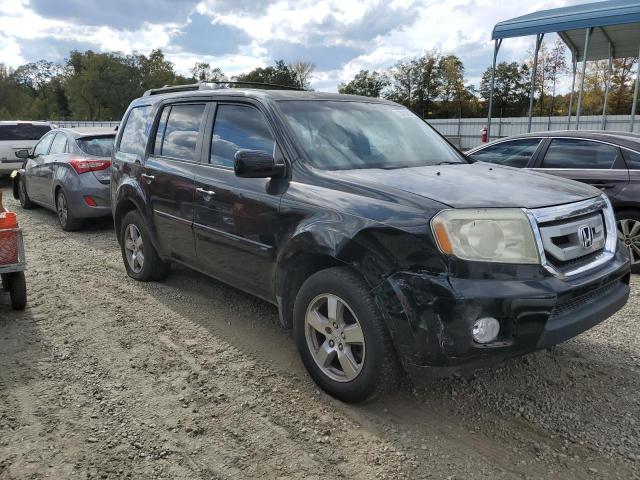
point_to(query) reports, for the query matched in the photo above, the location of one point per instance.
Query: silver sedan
(68, 171)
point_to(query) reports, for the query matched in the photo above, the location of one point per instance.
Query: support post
(496, 47)
(574, 61)
(603, 125)
(587, 37)
(635, 96)
(539, 38)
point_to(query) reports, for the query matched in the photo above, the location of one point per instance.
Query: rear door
(169, 177)
(588, 161)
(236, 219)
(518, 153)
(34, 170)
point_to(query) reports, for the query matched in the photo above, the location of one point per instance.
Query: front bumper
(430, 316)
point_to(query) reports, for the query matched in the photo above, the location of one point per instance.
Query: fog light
(485, 330)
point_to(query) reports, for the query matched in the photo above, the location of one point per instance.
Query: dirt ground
(104, 377)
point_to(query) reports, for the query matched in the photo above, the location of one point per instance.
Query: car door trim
(237, 239)
(175, 218)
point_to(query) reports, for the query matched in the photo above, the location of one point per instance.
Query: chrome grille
(576, 237)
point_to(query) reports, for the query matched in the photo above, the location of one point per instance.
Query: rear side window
(59, 144)
(136, 131)
(181, 128)
(632, 159)
(575, 153)
(23, 131)
(516, 153)
(97, 146)
(239, 127)
(42, 148)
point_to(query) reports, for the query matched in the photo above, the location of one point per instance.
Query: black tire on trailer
(18, 291)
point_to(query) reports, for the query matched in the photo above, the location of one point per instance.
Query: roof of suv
(262, 94)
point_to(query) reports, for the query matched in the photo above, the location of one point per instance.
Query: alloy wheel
(334, 337)
(134, 248)
(629, 233)
(63, 208)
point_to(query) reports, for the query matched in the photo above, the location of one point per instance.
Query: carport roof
(616, 22)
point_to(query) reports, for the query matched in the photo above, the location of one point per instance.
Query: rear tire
(140, 257)
(23, 196)
(628, 224)
(18, 290)
(342, 338)
(68, 221)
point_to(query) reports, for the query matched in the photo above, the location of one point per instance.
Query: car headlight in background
(500, 235)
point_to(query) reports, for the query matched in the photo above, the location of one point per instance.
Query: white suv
(16, 136)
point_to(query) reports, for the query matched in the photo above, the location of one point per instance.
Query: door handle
(205, 193)
(148, 178)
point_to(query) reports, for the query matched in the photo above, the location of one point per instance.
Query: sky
(340, 37)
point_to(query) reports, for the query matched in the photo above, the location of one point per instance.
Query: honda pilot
(383, 247)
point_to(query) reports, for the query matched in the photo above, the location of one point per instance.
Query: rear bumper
(430, 317)
(87, 185)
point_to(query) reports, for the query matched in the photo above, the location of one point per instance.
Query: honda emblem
(585, 234)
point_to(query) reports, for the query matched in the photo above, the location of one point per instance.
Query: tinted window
(632, 159)
(97, 146)
(238, 127)
(43, 145)
(181, 132)
(343, 135)
(23, 131)
(162, 125)
(570, 153)
(136, 129)
(516, 153)
(59, 144)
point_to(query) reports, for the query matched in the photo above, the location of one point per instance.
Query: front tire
(68, 221)
(141, 259)
(342, 338)
(628, 223)
(23, 196)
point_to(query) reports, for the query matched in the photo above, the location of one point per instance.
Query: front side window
(181, 132)
(136, 131)
(59, 144)
(341, 135)
(239, 127)
(42, 148)
(516, 153)
(576, 153)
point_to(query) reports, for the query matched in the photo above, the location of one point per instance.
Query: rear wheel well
(122, 209)
(295, 271)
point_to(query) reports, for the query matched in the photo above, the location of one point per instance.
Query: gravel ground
(104, 377)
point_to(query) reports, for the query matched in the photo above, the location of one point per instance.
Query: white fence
(466, 132)
(83, 123)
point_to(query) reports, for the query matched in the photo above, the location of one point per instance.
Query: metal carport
(594, 31)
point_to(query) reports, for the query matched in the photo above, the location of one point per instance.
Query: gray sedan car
(68, 172)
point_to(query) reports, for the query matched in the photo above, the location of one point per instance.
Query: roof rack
(215, 85)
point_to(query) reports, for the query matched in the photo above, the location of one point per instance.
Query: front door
(35, 169)
(169, 178)
(236, 219)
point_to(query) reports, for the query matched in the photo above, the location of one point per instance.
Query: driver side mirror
(23, 153)
(256, 164)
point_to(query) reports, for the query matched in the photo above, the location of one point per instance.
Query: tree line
(100, 86)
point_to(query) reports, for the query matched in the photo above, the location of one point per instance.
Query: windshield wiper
(449, 163)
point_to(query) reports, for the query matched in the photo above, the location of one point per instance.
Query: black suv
(383, 247)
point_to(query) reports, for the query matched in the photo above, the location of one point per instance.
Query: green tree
(203, 72)
(278, 74)
(365, 83)
(302, 72)
(511, 90)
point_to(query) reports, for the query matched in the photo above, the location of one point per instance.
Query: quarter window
(576, 153)
(239, 127)
(136, 131)
(59, 144)
(42, 148)
(516, 153)
(632, 159)
(181, 132)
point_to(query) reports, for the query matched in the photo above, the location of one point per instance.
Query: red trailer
(12, 260)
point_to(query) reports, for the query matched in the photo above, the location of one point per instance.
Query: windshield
(340, 135)
(97, 146)
(23, 131)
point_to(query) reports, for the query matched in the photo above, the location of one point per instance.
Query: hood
(476, 185)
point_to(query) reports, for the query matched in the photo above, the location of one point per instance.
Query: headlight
(501, 235)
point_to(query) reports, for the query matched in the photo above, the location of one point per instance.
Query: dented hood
(476, 185)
